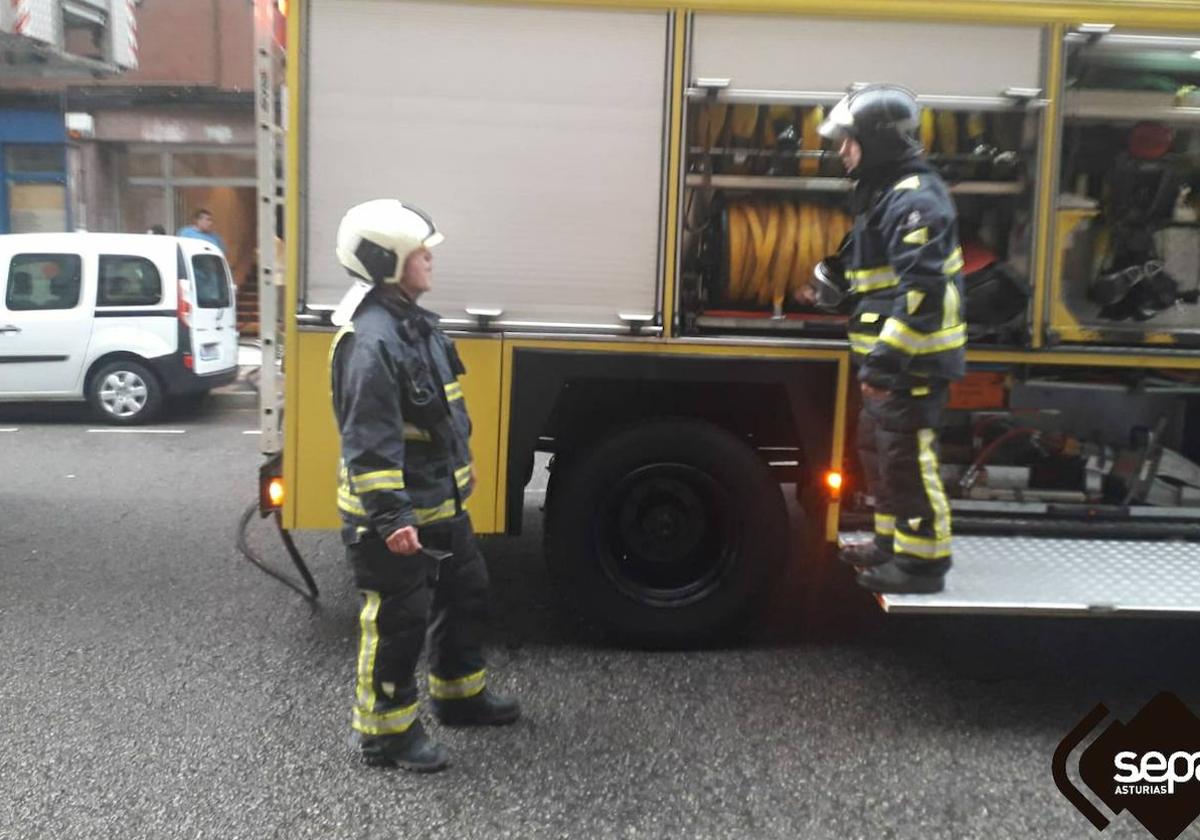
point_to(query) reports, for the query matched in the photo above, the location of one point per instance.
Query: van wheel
(125, 393)
(665, 533)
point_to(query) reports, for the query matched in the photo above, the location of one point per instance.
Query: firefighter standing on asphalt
(405, 476)
(907, 335)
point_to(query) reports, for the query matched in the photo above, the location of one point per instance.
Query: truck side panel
(312, 504)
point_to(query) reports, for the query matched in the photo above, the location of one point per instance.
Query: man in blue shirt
(202, 228)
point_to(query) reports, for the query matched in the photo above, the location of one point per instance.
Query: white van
(124, 321)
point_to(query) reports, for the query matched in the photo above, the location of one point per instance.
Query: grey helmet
(884, 119)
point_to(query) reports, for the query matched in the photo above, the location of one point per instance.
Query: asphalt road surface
(155, 685)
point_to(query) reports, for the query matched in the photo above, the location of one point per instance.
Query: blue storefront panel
(25, 128)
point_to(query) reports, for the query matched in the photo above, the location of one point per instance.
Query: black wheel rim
(667, 534)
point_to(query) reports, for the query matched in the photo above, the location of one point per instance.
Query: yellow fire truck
(633, 191)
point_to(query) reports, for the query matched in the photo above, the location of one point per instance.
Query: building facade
(147, 147)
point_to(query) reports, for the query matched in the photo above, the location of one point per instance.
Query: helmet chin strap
(396, 291)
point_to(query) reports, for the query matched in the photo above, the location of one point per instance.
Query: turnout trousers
(406, 598)
(898, 449)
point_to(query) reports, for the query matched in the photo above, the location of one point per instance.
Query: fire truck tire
(665, 533)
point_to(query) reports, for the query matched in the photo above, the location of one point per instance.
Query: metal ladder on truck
(270, 112)
(270, 119)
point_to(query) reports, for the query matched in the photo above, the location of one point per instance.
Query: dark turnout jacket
(402, 418)
(905, 264)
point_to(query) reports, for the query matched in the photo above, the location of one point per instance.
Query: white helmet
(374, 240)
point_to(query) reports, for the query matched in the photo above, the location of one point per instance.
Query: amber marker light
(275, 492)
(833, 483)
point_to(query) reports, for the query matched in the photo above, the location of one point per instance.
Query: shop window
(43, 282)
(144, 164)
(33, 160)
(202, 165)
(128, 281)
(36, 207)
(142, 208)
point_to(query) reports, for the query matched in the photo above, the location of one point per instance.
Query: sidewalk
(244, 392)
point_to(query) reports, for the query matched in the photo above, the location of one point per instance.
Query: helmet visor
(434, 237)
(840, 122)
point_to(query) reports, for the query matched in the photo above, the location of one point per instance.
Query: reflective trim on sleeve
(872, 279)
(951, 306)
(954, 263)
(454, 392)
(349, 503)
(918, 237)
(862, 342)
(446, 510)
(913, 183)
(378, 480)
(462, 476)
(904, 338)
(458, 689)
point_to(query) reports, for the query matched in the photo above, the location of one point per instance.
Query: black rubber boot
(413, 750)
(923, 578)
(484, 709)
(863, 555)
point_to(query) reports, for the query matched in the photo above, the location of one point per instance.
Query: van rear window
(212, 282)
(128, 281)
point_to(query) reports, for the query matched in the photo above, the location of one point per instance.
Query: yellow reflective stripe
(368, 646)
(342, 333)
(918, 237)
(862, 342)
(454, 391)
(954, 263)
(912, 183)
(872, 279)
(921, 391)
(865, 273)
(445, 510)
(899, 335)
(377, 480)
(913, 301)
(462, 477)
(386, 723)
(885, 524)
(459, 689)
(350, 503)
(951, 306)
(933, 484)
(416, 433)
(922, 547)
(883, 281)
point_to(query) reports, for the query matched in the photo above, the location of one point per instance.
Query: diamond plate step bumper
(1067, 577)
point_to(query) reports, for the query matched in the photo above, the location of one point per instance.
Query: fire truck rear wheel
(665, 533)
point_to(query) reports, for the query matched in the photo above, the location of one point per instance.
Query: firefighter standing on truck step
(405, 476)
(907, 335)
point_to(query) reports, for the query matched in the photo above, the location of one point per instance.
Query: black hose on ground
(311, 593)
